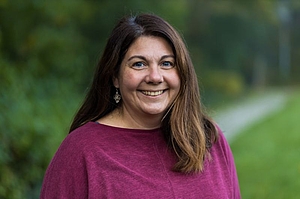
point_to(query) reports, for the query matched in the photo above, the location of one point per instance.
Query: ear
(116, 82)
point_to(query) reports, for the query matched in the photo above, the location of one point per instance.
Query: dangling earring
(117, 96)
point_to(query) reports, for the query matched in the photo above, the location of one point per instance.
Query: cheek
(175, 82)
(129, 81)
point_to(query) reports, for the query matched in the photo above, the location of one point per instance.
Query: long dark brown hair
(185, 126)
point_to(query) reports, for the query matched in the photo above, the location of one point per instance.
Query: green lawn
(267, 155)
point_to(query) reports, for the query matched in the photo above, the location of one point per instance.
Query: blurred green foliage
(48, 50)
(267, 154)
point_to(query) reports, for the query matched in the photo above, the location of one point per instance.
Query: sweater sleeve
(66, 176)
(231, 165)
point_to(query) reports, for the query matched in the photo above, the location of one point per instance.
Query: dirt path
(235, 118)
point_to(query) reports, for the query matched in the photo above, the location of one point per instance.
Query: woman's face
(148, 78)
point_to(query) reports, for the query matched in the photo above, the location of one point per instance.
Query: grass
(267, 155)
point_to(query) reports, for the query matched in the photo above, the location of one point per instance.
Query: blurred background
(243, 51)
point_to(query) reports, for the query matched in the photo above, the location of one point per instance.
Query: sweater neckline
(127, 129)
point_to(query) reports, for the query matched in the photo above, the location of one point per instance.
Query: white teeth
(152, 93)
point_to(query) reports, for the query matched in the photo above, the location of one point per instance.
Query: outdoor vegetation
(267, 155)
(49, 49)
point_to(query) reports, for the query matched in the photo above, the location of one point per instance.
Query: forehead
(150, 45)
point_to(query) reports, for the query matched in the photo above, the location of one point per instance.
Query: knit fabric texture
(100, 161)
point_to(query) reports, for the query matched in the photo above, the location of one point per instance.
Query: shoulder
(221, 149)
(223, 157)
(79, 143)
(84, 132)
(221, 138)
(67, 171)
(73, 153)
(81, 136)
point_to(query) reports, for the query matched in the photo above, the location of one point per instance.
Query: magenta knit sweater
(99, 161)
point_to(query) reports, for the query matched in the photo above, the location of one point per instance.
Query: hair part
(189, 132)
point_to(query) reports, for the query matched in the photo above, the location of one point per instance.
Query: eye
(167, 64)
(138, 65)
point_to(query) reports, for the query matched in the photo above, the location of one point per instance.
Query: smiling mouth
(152, 93)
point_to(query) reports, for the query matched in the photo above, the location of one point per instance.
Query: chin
(155, 112)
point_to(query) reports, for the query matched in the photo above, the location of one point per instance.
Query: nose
(154, 75)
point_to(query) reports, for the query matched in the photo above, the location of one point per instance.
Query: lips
(152, 93)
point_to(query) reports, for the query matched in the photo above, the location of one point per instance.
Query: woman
(141, 132)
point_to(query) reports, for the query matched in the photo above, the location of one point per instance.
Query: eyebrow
(144, 58)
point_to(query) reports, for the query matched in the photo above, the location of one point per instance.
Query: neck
(121, 118)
